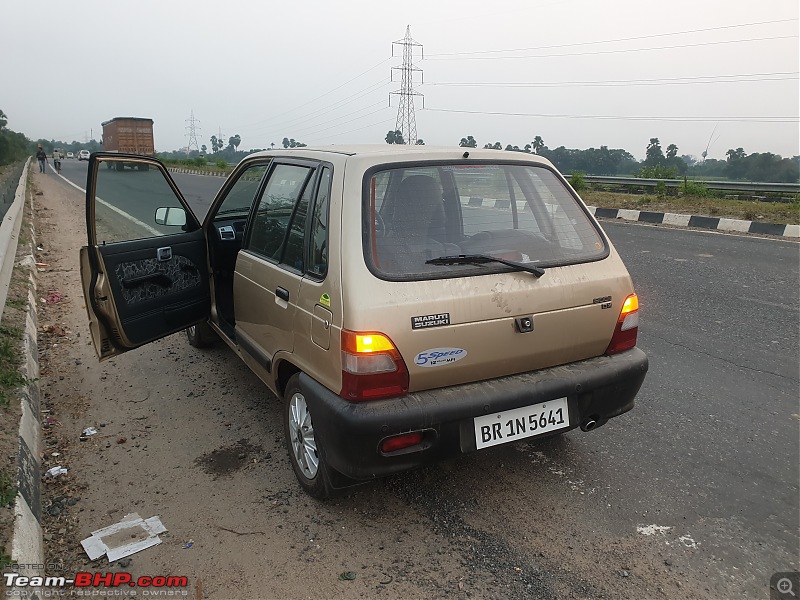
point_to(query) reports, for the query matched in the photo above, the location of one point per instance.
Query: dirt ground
(193, 437)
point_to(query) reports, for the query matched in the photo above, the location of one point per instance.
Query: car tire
(305, 450)
(200, 335)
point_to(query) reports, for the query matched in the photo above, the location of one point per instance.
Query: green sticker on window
(325, 300)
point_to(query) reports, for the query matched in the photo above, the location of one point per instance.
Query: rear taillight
(372, 368)
(627, 327)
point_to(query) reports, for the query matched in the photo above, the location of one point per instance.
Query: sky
(704, 75)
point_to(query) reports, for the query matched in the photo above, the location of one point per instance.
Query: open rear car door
(145, 270)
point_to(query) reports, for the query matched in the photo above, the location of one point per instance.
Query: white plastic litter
(56, 471)
(132, 534)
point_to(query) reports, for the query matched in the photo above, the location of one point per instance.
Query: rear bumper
(350, 433)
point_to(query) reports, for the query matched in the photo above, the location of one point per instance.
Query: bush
(577, 181)
(657, 172)
(693, 188)
(200, 162)
(222, 164)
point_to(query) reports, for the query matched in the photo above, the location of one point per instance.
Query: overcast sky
(578, 73)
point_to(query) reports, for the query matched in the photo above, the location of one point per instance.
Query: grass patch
(16, 303)
(8, 490)
(5, 560)
(703, 205)
(219, 167)
(10, 361)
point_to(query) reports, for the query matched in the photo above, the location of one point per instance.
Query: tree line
(658, 164)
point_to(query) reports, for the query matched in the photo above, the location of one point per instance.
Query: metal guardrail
(744, 187)
(9, 228)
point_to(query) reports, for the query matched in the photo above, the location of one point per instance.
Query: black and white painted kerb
(660, 218)
(718, 223)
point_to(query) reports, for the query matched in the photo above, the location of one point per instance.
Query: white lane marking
(136, 221)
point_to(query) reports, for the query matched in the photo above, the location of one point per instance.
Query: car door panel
(152, 278)
(269, 267)
(153, 294)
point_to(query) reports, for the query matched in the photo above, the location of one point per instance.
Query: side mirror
(172, 216)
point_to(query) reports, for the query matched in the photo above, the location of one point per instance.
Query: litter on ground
(131, 535)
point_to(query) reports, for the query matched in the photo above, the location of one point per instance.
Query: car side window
(241, 194)
(318, 257)
(274, 210)
(295, 241)
(126, 203)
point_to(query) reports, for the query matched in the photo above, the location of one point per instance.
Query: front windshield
(519, 213)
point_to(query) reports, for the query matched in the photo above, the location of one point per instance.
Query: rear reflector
(627, 328)
(399, 442)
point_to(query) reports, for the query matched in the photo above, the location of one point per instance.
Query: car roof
(388, 152)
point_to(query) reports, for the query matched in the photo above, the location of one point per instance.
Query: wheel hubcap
(301, 435)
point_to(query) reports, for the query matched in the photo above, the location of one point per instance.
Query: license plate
(520, 423)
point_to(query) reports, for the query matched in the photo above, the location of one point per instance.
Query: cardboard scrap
(131, 535)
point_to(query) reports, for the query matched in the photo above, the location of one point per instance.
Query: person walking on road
(57, 160)
(42, 157)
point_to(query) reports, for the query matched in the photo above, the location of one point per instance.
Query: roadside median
(19, 305)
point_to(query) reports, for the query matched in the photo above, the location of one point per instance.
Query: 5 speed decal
(436, 357)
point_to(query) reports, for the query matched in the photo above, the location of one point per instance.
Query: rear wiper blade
(479, 259)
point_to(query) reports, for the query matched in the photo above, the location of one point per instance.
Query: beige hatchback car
(409, 304)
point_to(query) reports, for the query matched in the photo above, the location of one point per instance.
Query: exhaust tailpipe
(593, 423)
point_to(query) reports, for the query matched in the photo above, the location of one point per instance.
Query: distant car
(83, 155)
(70, 155)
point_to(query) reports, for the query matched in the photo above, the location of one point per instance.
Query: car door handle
(158, 277)
(282, 294)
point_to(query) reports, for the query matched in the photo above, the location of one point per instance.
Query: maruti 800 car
(407, 304)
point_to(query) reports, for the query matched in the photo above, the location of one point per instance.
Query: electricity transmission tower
(406, 122)
(193, 127)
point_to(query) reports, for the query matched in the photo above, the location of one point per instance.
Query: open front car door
(145, 269)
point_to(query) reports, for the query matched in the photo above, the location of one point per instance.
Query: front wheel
(200, 335)
(304, 448)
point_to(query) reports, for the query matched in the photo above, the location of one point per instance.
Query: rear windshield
(520, 213)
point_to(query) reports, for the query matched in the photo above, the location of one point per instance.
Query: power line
(599, 52)
(313, 128)
(703, 79)
(775, 119)
(382, 121)
(346, 122)
(317, 98)
(629, 39)
(322, 111)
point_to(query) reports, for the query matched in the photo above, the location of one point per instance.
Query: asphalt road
(711, 449)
